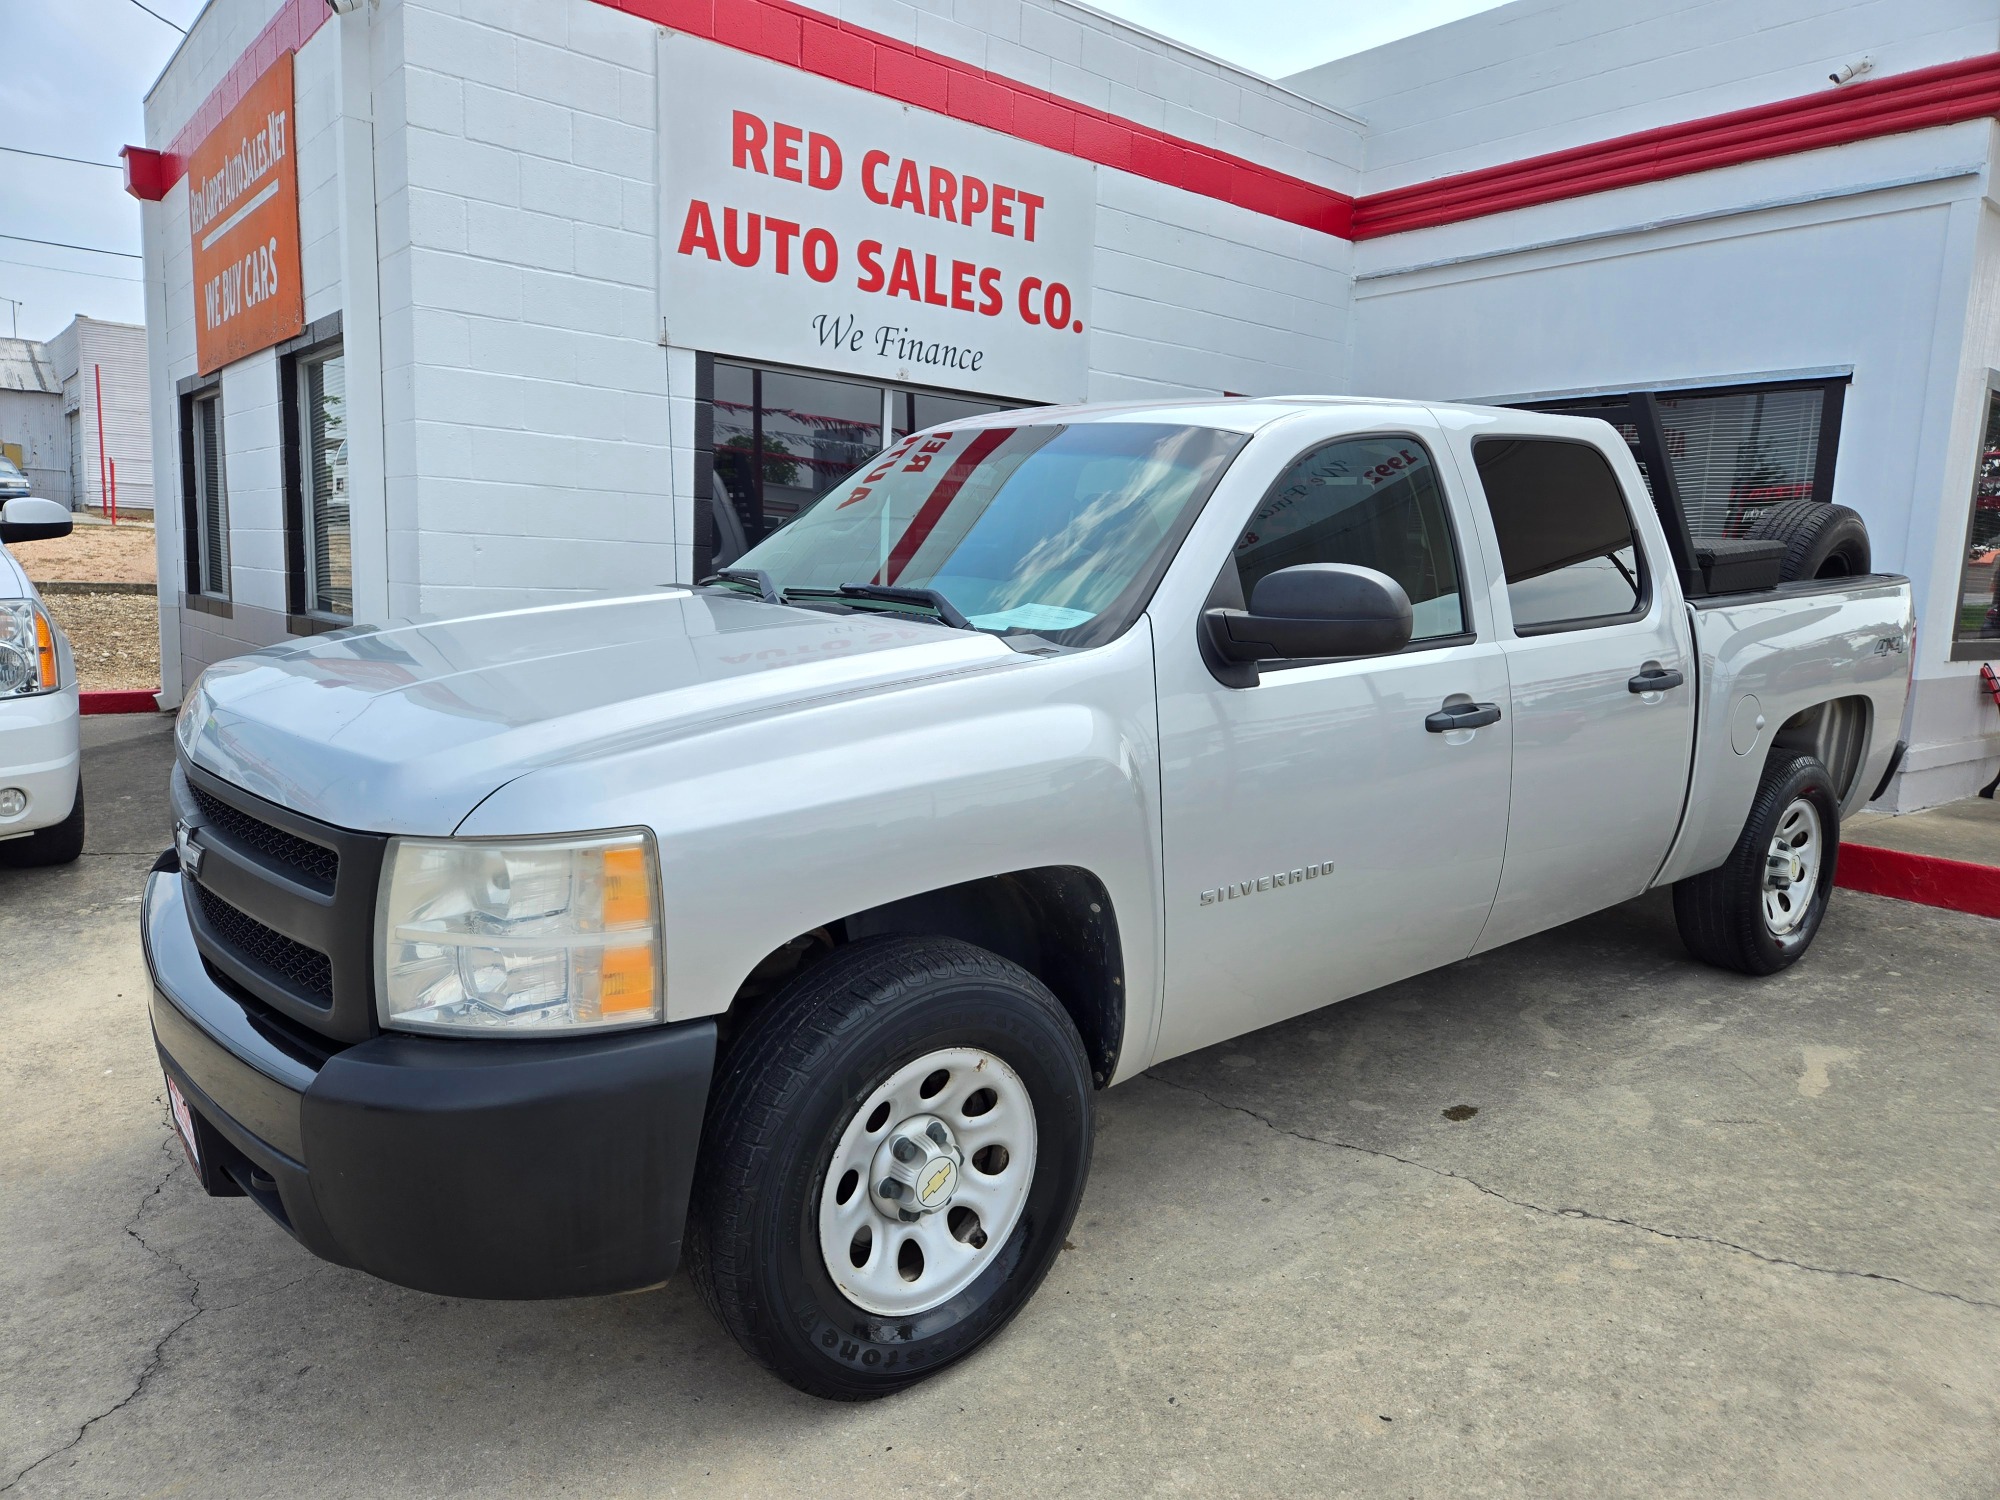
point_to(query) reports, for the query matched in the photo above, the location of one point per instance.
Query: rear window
(1566, 539)
(1055, 530)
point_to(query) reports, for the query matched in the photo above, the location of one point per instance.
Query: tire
(1730, 916)
(1821, 541)
(795, 1097)
(58, 844)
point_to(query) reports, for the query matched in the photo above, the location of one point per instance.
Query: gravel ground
(93, 553)
(116, 637)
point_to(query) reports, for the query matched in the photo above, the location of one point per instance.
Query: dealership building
(456, 305)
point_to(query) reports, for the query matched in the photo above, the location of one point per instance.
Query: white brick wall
(528, 456)
(1196, 295)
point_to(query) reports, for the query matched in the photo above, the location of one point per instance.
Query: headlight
(27, 649)
(529, 937)
(193, 714)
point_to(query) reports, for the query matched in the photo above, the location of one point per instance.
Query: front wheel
(1759, 910)
(895, 1148)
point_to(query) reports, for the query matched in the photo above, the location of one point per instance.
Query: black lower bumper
(467, 1168)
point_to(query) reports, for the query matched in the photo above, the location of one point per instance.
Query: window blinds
(329, 546)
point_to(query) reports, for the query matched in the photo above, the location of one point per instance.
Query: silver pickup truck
(796, 917)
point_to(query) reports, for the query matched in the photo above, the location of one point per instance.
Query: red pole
(114, 492)
(103, 486)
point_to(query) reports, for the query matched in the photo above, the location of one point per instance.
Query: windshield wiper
(756, 578)
(882, 593)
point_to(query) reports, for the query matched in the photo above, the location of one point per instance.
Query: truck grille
(312, 864)
(282, 906)
(306, 970)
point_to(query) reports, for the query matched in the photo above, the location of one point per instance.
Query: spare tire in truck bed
(1821, 540)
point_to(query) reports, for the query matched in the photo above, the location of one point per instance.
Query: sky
(76, 71)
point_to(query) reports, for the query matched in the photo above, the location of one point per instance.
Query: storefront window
(776, 441)
(328, 572)
(1979, 590)
(916, 410)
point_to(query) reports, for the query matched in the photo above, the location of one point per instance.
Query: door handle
(1655, 680)
(1464, 716)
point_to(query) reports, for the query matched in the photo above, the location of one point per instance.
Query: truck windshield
(1057, 530)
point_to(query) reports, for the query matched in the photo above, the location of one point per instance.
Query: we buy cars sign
(243, 219)
(809, 223)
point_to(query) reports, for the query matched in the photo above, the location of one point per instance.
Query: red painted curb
(1923, 878)
(120, 701)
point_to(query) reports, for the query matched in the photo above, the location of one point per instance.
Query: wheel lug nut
(891, 1189)
(907, 1216)
(938, 1133)
(907, 1150)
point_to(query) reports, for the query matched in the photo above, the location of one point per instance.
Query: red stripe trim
(924, 522)
(845, 53)
(829, 48)
(1945, 95)
(1953, 884)
(119, 701)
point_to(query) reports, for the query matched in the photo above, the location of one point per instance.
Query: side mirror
(30, 519)
(1312, 611)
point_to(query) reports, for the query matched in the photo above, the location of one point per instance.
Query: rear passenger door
(1599, 671)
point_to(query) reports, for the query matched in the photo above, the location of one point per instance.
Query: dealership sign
(809, 223)
(243, 219)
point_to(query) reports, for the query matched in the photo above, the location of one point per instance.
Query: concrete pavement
(1576, 1218)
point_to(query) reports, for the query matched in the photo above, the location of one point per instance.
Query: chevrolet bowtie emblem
(185, 846)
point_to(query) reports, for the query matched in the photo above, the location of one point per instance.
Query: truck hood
(407, 728)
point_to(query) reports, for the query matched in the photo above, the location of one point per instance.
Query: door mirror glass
(32, 519)
(1312, 611)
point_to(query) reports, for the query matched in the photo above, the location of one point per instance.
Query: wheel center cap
(916, 1168)
(935, 1182)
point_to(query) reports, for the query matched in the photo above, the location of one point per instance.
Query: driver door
(1320, 840)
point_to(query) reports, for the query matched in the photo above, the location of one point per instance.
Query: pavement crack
(1572, 1213)
(156, 1355)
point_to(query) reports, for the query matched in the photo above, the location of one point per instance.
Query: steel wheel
(1791, 869)
(927, 1181)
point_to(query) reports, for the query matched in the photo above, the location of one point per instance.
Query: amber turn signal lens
(627, 984)
(45, 648)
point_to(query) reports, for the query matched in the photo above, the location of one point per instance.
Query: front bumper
(40, 754)
(467, 1168)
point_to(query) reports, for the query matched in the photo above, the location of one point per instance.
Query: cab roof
(1230, 414)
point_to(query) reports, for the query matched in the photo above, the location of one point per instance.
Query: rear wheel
(58, 844)
(894, 1151)
(1760, 909)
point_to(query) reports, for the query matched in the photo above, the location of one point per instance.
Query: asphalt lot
(1703, 1236)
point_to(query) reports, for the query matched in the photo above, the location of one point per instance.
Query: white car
(41, 788)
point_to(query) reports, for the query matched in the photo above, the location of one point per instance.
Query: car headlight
(520, 937)
(27, 649)
(193, 714)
